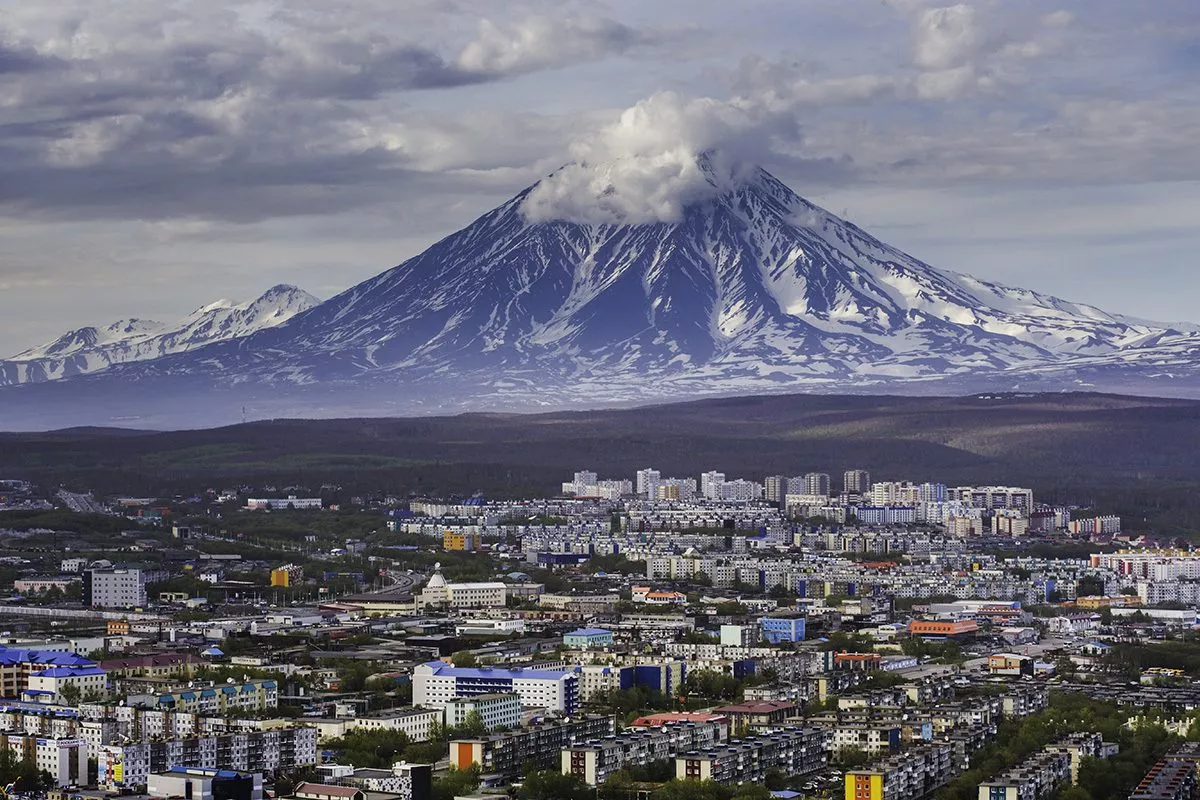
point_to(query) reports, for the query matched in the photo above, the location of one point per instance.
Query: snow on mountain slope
(87, 350)
(752, 288)
(755, 283)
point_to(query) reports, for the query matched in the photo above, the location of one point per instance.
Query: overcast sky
(157, 156)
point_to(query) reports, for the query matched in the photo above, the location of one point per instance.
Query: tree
(464, 658)
(456, 782)
(70, 694)
(551, 785)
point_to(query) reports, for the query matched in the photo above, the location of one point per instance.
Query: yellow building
(864, 786)
(467, 541)
(287, 575)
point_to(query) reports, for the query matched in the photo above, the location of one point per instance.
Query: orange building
(466, 541)
(937, 628)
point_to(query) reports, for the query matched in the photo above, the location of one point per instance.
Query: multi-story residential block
(1173, 777)
(416, 723)
(873, 738)
(648, 481)
(129, 766)
(856, 481)
(594, 761)
(791, 750)
(1034, 778)
(497, 710)
(539, 746)
(818, 484)
(159, 665)
(114, 588)
(436, 682)
(775, 488)
(994, 497)
(913, 773)
(253, 695)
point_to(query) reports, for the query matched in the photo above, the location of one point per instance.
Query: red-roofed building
(669, 717)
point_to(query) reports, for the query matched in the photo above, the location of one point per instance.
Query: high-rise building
(856, 481)
(710, 484)
(776, 488)
(114, 588)
(648, 481)
(818, 483)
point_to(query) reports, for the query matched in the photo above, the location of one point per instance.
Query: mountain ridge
(93, 349)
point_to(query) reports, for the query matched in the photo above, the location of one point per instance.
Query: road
(81, 503)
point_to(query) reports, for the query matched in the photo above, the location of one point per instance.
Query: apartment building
(1173, 777)
(436, 682)
(415, 723)
(128, 766)
(791, 750)
(912, 773)
(253, 695)
(498, 710)
(540, 745)
(594, 761)
(1034, 778)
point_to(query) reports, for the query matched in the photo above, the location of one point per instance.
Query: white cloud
(646, 167)
(946, 37)
(544, 41)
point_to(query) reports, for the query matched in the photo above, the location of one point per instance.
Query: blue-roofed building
(588, 638)
(48, 685)
(436, 683)
(17, 664)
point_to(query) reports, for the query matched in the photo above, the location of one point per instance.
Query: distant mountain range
(753, 289)
(87, 350)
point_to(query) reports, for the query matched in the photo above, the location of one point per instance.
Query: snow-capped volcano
(751, 288)
(753, 283)
(92, 349)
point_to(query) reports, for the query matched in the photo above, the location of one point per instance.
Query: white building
(47, 686)
(436, 683)
(114, 588)
(490, 594)
(497, 710)
(66, 759)
(710, 484)
(69, 565)
(647, 483)
(416, 723)
(284, 503)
